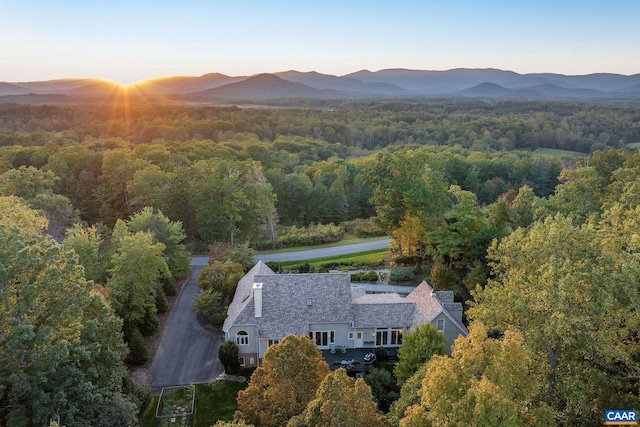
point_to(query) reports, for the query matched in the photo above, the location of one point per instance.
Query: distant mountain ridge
(389, 83)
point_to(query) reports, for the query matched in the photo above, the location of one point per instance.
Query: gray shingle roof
(382, 310)
(429, 305)
(284, 303)
(243, 293)
(290, 302)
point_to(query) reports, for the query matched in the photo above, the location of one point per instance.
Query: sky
(130, 40)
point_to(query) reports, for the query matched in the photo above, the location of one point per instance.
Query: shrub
(275, 266)
(217, 319)
(381, 355)
(371, 276)
(228, 355)
(364, 276)
(407, 260)
(402, 274)
(312, 235)
(208, 302)
(363, 228)
(418, 269)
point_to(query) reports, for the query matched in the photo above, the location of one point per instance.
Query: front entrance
(359, 340)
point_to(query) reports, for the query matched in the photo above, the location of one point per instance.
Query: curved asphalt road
(188, 353)
(325, 252)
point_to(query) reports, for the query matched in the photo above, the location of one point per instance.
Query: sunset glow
(130, 41)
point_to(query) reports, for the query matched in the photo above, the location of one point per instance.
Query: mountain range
(390, 83)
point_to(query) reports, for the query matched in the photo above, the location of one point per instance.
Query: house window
(396, 336)
(272, 342)
(389, 337)
(241, 359)
(350, 335)
(322, 338)
(382, 337)
(242, 338)
(440, 325)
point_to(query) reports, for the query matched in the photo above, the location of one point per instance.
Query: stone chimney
(257, 299)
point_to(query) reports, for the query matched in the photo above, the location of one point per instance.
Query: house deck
(334, 360)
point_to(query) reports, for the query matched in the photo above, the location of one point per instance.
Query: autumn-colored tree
(410, 395)
(341, 401)
(568, 290)
(287, 381)
(486, 382)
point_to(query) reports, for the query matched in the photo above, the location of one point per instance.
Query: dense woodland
(543, 248)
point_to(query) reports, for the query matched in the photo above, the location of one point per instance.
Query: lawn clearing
(217, 401)
(557, 152)
(374, 257)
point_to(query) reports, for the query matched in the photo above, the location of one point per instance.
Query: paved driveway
(188, 353)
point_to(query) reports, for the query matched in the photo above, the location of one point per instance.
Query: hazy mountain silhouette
(185, 84)
(345, 84)
(11, 89)
(264, 86)
(399, 83)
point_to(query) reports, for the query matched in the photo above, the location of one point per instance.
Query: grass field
(556, 152)
(634, 145)
(374, 257)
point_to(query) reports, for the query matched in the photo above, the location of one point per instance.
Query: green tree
(383, 387)
(61, 347)
(59, 212)
(85, 242)
(341, 401)
(287, 381)
(418, 346)
(138, 264)
(169, 233)
(580, 195)
(26, 182)
(406, 186)
(452, 243)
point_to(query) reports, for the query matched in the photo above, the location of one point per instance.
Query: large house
(328, 309)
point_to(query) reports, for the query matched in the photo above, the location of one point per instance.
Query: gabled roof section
(244, 292)
(382, 310)
(429, 306)
(290, 302)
